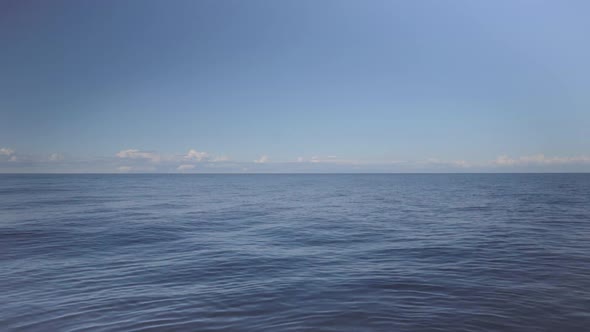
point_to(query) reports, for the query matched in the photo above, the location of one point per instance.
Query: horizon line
(273, 173)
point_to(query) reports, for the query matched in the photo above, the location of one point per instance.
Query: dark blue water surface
(469, 252)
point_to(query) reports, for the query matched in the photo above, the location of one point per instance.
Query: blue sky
(294, 86)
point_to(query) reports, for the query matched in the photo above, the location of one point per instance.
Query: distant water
(295, 252)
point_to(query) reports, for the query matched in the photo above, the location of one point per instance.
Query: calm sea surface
(295, 252)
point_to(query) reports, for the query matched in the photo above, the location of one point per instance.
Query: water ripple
(295, 252)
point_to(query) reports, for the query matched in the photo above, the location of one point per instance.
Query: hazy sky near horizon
(288, 86)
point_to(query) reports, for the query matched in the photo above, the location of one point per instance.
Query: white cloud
(220, 159)
(313, 159)
(137, 169)
(263, 159)
(137, 154)
(443, 163)
(461, 163)
(56, 157)
(327, 160)
(6, 152)
(196, 155)
(185, 167)
(539, 159)
(504, 160)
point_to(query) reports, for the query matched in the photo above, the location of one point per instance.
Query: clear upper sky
(289, 86)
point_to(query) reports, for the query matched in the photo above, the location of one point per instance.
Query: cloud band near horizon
(136, 160)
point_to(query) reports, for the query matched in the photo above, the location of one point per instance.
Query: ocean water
(462, 252)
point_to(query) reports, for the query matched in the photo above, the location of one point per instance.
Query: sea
(295, 252)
